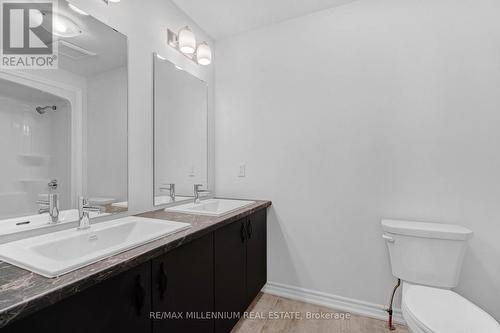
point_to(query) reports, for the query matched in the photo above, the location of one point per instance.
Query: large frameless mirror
(63, 131)
(180, 132)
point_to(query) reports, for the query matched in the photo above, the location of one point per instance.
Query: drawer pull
(163, 281)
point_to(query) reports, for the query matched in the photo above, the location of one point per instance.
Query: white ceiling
(223, 18)
(109, 46)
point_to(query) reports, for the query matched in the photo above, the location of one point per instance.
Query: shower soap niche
(33, 159)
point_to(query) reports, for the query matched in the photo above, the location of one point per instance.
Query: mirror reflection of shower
(35, 145)
(43, 109)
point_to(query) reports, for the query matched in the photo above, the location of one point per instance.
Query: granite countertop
(23, 292)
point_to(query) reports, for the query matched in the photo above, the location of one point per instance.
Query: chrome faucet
(83, 213)
(51, 205)
(170, 188)
(197, 192)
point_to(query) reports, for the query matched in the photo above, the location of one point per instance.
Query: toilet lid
(444, 311)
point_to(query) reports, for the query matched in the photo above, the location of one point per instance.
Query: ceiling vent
(73, 51)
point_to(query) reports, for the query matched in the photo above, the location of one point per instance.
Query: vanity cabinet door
(119, 304)
(256, 254)
(230, 273)
(183, 288)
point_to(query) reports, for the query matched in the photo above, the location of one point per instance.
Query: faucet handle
(82, 202)
(197, 189)
(52, 185)
(167, 187)
(83, 212)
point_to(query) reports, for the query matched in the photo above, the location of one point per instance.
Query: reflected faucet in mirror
(83, 213)
(170, 188)
(197, 192)
(51, 205)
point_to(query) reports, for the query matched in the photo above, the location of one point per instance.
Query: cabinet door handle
(243, 232)
(249, 229)
(140, 295)
(163, 281)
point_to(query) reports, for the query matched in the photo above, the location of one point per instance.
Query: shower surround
(35, 148)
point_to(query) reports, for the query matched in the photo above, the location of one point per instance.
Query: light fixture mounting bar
(172, 38)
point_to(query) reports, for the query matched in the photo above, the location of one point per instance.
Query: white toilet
(428, 257)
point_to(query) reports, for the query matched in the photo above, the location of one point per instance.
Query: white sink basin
(57, 253)
(212, 207)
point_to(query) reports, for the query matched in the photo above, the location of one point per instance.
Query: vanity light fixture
(77, 10)
(204, 54)
(185, 43)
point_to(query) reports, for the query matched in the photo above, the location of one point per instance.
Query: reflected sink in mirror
(159, 200)
(211, 207)
(165, 199)
(57, 253)
(25, 223)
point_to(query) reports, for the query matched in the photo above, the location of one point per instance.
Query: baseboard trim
(340, 303)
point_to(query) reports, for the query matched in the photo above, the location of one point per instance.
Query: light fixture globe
(187, 41)
(204, 54)
(62, 26)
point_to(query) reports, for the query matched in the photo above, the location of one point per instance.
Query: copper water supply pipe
(389, 309)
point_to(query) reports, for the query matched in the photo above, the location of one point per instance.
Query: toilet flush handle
(388, 238)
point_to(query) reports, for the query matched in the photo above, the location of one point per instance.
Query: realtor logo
(27, 40)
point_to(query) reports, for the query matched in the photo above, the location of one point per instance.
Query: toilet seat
(434, 310)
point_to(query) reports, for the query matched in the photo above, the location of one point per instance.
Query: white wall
(145, 24)
(107, 135)
(380, 108)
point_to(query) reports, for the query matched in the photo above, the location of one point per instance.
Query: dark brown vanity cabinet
(240, 267)
(119, 304)
(183, 288)
(256, 255)
(230, 274)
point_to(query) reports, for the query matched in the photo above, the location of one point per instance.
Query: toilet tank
(426, 253)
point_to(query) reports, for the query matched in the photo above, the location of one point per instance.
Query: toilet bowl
(428, 258)
(434, 310)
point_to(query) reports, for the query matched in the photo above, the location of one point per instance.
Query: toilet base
(413, 327)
